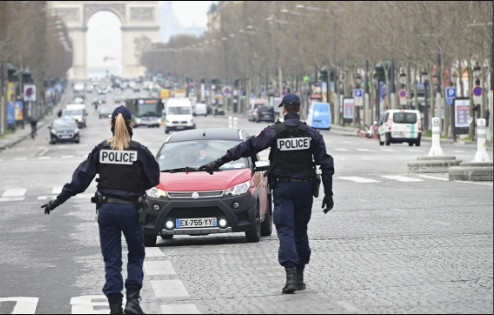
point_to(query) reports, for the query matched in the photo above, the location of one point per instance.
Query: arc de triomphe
(140, 28)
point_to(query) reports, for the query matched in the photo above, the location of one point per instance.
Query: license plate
(194, 223)
(64, 136)
(180, 127)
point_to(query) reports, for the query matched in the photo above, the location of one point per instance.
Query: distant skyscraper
(170, 25)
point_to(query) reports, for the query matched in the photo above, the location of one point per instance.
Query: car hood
(178, 117)
(198, 181)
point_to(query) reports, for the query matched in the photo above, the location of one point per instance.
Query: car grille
(199, 194)
(179, 121)
(203, 212)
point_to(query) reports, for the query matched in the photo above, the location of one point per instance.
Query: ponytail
(121, 137)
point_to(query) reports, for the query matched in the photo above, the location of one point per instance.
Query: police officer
(296, 149)
(126, 170)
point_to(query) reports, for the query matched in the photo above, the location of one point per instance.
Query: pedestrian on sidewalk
(126, 170)
(296, 149)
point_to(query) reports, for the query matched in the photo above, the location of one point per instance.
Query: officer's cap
(290, 99)
(121, 110)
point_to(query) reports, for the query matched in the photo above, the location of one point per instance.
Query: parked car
(264, 113)
(64, 130)
(236, 198)
(400, 125)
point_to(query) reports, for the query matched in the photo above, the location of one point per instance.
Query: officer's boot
(291, 279)
(132, 306)
(300, 279)
(115, 306)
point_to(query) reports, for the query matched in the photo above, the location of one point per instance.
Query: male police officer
(126, 170)
(295, 150)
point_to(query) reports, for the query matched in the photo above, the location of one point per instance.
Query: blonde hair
(121, 137)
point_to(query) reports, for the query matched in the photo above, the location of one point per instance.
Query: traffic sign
(450, 92)
(477, 91)
(403, 93)
(358, 92)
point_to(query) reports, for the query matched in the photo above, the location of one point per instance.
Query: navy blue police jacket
(267, 138)
(87, 170)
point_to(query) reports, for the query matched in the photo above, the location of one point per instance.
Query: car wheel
(388, 139)
(167, 131)
(417, 143)
(379, 138)
(149, 240)
(267, 224)
(77, 141)
(167, 236)
(254, 235)
(410, 143)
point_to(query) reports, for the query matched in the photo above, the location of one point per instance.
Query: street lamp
(476, 74)
(403, 79)
(425, 80)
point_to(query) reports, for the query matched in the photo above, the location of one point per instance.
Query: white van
(201, 109)
(179, 114)
(400, 125)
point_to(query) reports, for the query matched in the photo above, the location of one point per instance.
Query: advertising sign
(19, 110)
(29, 93)
(348, 108)
(462, 112)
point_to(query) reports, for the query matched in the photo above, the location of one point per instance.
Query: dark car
(264, 113)
(105, 112)
(64, 130)
(191, 202)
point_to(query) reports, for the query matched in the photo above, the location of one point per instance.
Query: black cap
(290, 99)
(123, 110)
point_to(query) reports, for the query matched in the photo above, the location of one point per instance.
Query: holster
(316, 183)
(142, 206)
(98, 199)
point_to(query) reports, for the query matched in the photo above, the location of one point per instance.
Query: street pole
(2, 100)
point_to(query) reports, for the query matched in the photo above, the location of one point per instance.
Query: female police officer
(126, 170)
(295, 150)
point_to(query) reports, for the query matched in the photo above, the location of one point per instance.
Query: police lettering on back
(117, 157)
(291, 144)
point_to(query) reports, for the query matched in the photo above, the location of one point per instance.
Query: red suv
(236, 198)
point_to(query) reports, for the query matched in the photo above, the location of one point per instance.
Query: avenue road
(395, 242)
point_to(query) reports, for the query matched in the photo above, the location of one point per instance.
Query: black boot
(300, 279)
(291, 279)
(115, 306)
(132, 306)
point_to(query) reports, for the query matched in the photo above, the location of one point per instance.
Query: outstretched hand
(52, 204)
(211, 166)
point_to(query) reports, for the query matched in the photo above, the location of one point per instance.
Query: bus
(146, 111)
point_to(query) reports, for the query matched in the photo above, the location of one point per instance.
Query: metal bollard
(436, 133)
(230, 122)
(235, 122)
(481, 155)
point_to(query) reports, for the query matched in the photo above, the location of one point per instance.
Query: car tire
(254, 235)
(149, 240)
(166, 236)
(410, 143)
(379, 139)
(417, 143)
(388, 139)
(167, 131)
(267, 224)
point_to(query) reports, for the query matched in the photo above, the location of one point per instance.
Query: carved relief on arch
(117, 8)
(69, 15)
(142, 14)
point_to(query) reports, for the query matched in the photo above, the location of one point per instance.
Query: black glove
(327, 203)
(211, 166)
(52, 204)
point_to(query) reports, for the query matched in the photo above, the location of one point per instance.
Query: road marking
(42, 152)
(23, 305)
(340, 149)
(359, 179)
(365, 150)
(154, 252)
(44, 158)
(179, 309)
(67, 156)
(18, 192)
(12, 199)
(349, 307)
(20, 159)
(402, 178)
(86, 304)
(158, 268)
(56, 190)
(434, 177)
(442, 223)
(169, 289)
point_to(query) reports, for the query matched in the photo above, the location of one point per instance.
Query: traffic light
(323, 75)
(331, 76)
(379, 73)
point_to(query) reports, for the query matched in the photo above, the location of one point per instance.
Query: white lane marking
(179, 309)
(158, 268)
(402, 178)
(154, 252)
(169, 289)
(359, 179)
(349, 307)
(17, 192)
(44, 158)
(434, 177)
(388, 150)
(86, 304)
(23, 305)
(365, 150)
(12, 199)
(340, 149)
(442, 223)
(44, 197)
(20, 159)
(56, 190)
(67, 156)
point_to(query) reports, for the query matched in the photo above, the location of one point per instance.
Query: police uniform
(295, 150)
(123, 177)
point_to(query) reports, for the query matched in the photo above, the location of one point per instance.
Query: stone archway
(140, 28)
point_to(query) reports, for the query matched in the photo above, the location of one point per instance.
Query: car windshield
(405, 118)
(72, 112)
(185, 110)
(106, 110)
(195, 153)
(64, 123)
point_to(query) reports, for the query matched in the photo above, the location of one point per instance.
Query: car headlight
(76, 131)
(156, 193)
(53, 131)
(138, 120)
(238, 189)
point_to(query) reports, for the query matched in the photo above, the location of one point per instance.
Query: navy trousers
(113, 220)
(291, 215)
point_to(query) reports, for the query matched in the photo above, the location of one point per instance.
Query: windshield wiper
(182, 169)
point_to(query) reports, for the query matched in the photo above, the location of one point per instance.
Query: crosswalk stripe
(11, 198)
(67, 156)
(359, 179)
(154, 252)
(364, 150)
(16, 192)
(179, 309)
(169, 289)
(340, 149)
(158, 268)
(56, 190)
(20, 159)
(402, 178)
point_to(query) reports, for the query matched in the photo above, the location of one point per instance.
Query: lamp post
(425, 80)
(358, 85)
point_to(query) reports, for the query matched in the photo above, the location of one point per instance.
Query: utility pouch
(316, 183)
(98, 199)
(142, 206)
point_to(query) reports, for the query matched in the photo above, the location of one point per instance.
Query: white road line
(44, 158)
(359, 179)
(169, 289)
(56, 190)
(67, 156)
(434, 177)
(158, 268)
(154, 252)
(20, 159)
(89, 304)
(179, 309)
(349, 307)
(365, 150)
(17, 192)
(340, 149)
(402, 178)
(12, 199)
(23, 305)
